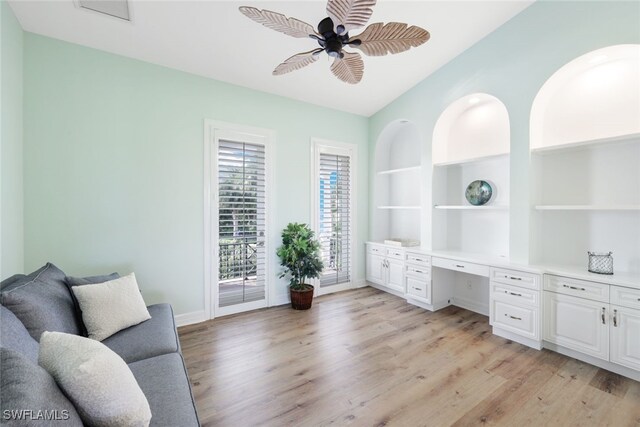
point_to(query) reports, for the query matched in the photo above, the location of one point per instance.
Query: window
(333, 208)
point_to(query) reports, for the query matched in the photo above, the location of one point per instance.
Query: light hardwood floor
(367, 358)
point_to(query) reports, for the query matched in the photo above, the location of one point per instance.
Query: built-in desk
(587, 316)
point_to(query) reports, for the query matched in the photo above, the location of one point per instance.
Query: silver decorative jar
(601, 262)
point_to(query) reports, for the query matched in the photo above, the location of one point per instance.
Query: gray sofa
(151, 348)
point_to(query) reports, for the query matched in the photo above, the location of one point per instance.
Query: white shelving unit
(471, 142)
(585, 162)
(397, 193)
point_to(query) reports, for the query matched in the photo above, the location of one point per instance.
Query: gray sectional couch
(151, 349)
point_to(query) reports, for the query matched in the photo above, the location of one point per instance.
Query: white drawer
(625, 297)
(414, 270)
(418, 288)
(516, 278)
(515, 295)
(579, 288)
(519, 320)
(465, 267)
(418, 259)
(395, 253)
(375, 249)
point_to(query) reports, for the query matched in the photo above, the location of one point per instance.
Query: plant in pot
(300, 256)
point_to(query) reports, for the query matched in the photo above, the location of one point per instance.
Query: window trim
(319, 146)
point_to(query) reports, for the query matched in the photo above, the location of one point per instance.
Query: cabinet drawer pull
(513, 293)
(416, 289)
(418, 271)
(615, 318)
(459, 266)
(513, 317)
(575, 288)
(418, 259)
(602, 316)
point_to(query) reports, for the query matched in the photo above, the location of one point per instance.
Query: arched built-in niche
(397, 191)
(474, 126)
(471, 141)
(585, 175)
(595, 96)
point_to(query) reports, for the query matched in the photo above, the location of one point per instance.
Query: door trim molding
(210, 220)
(319, 145)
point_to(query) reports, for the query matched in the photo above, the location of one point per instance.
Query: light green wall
(512, 63)
(114, 164)
(11, 213)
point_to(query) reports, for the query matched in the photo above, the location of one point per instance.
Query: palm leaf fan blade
(278, 22)
(379, 39)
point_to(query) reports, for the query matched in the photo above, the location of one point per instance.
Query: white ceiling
(213, 39)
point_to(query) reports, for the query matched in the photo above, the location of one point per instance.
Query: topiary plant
(299, 255)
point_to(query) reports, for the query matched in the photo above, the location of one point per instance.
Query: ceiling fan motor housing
(332, 43)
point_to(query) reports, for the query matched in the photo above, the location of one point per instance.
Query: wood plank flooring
(367, 358)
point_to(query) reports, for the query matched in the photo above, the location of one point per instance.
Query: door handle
(602, 316)
(615, 318)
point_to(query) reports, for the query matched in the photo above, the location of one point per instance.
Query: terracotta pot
(301, 299)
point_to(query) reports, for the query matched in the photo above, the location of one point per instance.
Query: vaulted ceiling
(212, 39)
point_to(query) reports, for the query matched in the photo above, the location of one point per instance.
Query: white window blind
(334, 230)
(241, 222)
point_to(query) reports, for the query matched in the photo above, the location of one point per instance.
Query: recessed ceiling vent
(115, 8)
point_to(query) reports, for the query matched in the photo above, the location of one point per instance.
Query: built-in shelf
(473, 160)
(587, 207)
(472, 207)
(634, 137)
(399, 170)
(399, 207)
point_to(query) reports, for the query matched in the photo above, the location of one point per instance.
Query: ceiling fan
(333, 36)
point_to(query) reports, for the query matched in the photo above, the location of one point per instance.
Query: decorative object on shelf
(402, 242)
(300, 257)
(601, 262)
(478, 193)
(333, 35)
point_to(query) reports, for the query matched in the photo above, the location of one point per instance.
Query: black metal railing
(238, 260)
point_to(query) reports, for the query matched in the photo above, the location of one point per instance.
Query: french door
(333, 213)
(239, 221)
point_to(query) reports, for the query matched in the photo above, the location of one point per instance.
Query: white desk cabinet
(385, 267)
(625, 337)
(577, 323)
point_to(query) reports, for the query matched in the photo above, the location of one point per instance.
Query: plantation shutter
(241, 222)
(334, 231)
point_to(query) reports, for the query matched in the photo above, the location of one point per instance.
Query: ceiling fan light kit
(333, 36)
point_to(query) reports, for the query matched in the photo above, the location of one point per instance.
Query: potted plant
(300, 256)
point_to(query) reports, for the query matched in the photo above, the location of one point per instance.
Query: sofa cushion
(14, 336)
(82, 281)
(97, 380)
(28, 387)
(153, 337)
(112, 306)
(42, 301)
(164, 380)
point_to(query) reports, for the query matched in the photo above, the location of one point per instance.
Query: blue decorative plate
(478, 192)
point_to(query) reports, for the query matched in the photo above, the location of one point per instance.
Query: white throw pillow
(111, 306)
(97, 380)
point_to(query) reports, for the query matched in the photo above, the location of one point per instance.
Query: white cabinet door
(375, 269)
(395, 271)
(625, 337)
(577, 323)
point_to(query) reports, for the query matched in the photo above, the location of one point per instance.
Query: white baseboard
(517, 338)
(280, 299)
(185, 319)
(618, 369)
(362, 283)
